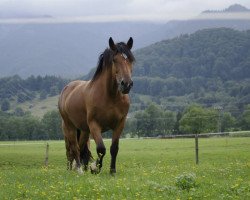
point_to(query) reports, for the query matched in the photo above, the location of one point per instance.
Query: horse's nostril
(122, 83)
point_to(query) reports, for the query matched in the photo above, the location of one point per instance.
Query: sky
(111, 10)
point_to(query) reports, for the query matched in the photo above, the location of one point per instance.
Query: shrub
(186, 181)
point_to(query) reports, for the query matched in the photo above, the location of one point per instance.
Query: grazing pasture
(146, 169)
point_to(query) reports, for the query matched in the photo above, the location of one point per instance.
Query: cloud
(101, 10)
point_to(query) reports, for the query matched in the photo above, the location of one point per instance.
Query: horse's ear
(130, 43)
(112, 44)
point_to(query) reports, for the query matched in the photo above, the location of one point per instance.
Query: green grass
(38, 107)
(146, 169)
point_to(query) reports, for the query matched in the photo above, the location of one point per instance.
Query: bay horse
(95, 106)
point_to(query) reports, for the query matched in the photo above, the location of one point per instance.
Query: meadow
(146, 169)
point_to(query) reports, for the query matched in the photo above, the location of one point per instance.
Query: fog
(111, 10)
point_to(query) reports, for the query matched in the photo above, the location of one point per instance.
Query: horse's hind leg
(72, 147)
(69, 155)
(85, 154)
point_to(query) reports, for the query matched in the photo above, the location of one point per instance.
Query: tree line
(24, 126)
(16, 89)
(152, 122)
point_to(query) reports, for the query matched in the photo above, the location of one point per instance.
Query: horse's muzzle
(125, 87)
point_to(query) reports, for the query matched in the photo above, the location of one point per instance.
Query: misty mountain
(72, 49)
(231, 9)
(66, 49)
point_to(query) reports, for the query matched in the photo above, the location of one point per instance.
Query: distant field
(39, 107)
(146, 169)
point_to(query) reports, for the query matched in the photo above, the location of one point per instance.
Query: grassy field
(146, 169)
(38, 107)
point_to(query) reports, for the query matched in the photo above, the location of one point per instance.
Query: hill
(208, 67)
(230, 9)
(70, 49)
(65, 49)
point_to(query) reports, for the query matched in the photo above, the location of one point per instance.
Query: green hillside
(37, 107)
(209, 67)
(195, 83)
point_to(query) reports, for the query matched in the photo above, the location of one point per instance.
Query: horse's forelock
(123, 48)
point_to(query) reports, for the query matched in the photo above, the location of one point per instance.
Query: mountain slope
(181, 57)
(66, 49)
(209, 67)
(72, 49)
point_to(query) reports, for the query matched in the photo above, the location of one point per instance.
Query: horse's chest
(111, 115)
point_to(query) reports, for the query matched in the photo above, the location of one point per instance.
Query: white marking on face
(124, 56)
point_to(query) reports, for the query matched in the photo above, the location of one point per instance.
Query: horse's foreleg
(115, 146)
(114, 151)
(100, 147)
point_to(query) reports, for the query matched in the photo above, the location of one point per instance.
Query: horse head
(123, 62)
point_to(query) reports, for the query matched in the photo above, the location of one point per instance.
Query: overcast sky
(155, 10)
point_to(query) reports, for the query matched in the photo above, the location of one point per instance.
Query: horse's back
(67, 90)
(71, 102)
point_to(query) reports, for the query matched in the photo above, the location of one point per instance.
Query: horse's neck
(108, 83)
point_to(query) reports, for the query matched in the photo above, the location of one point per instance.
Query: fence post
(46, 155)
(196, 149)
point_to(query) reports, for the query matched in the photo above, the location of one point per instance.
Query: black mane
(106, 58)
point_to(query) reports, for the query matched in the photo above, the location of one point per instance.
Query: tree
(154, 121)
(52, 124)
(5, 105)
(53, 91)
(197, 120)
(43, 95)
(177, 123)
(245, 119)
(228, 122)
(19, 112)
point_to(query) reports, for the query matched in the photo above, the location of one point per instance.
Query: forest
(190, 84)
(208, 67)
(151, 122)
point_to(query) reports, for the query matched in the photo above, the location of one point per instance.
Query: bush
(186, 181)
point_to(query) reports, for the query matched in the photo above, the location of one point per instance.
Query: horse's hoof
(112, 172)
(79, 171)
(74, 166)
(94, 168)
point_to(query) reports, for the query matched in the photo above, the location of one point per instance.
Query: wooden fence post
(46, 155)
(196, 149)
